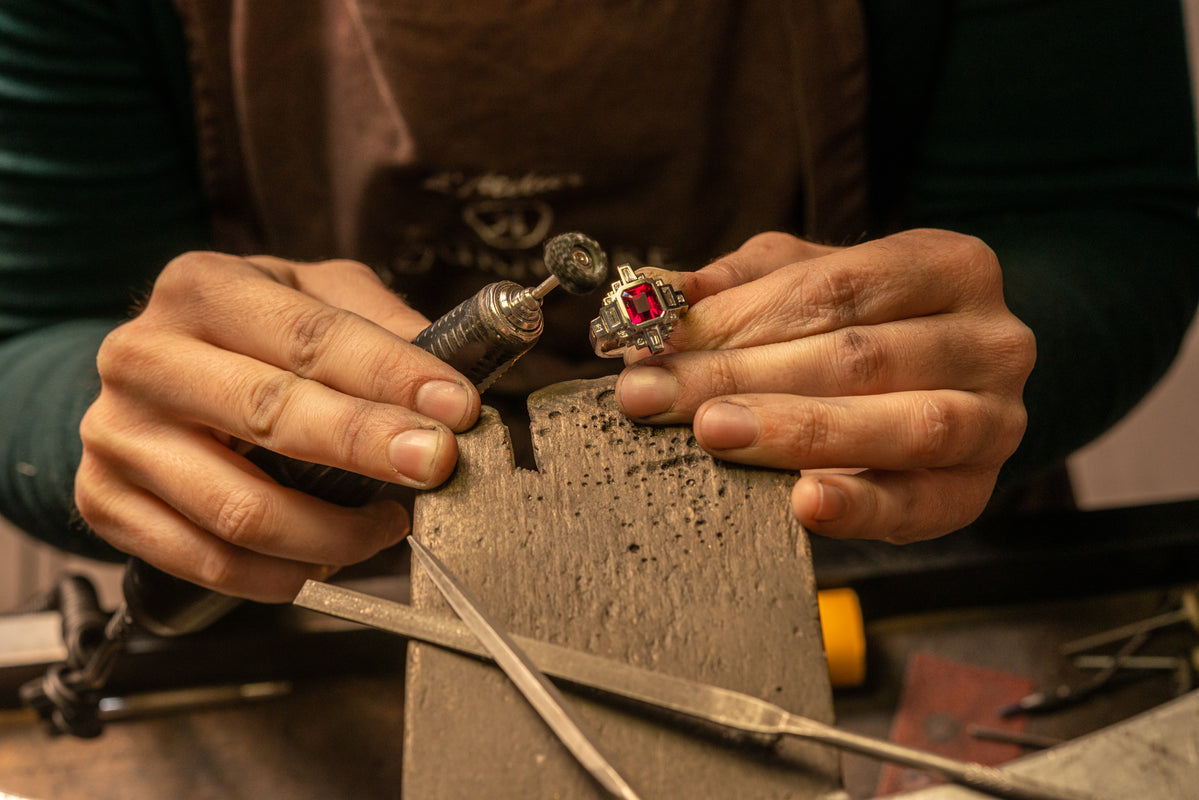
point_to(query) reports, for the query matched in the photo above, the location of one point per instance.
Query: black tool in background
(481, 338)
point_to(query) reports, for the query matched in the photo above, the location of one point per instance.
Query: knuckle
(189, 265)
(859, 359)
(769, 241)
(187, 278)
(91, 427)
(721, 375)
(965, 429)
(1012, 426)
(1017, 345)
(268, 404)
(978, 253)
(118, 350)
(808, 436)
(948, 517)
(959, 252)
(974, 257)
(901, 535)
(829, 295)
(183, 270)
(99, 434)
(954, 242)
(378, 532)
(352, 432)
(388, 377)
(938, 424)
(351, 269)
(101, 502)
(1028, 349)
(739, 263)
(89, 502)
(108, 357)
(779, 246)
(241, 516)
(886, 510)
(728, 266)
(907, 508)
(960, 246)
(217, 569)
(309, 336)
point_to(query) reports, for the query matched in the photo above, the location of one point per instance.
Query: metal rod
(1023, 738)
(1163, 663)
(971, 775)
(1125, 631)
(765, 722)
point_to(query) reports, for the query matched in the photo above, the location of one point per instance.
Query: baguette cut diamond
(639, 312)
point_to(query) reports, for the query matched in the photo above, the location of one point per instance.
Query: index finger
(759, 256)
(904, 276)
(351, 285)
(273, 323)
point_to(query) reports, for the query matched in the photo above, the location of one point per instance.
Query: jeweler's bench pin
(532, 683)
(638, 312)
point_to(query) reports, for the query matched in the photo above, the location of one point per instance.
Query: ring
(637, 312)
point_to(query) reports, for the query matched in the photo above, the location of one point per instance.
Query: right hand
(312, 361)
(890, 374)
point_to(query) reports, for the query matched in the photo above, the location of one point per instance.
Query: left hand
(897, 359)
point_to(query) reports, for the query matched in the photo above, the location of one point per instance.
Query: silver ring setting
(638, 312)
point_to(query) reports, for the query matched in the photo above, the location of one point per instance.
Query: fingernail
(832, 503)
(414, 453)
(647, 391)
(727, 426)
(444, 401)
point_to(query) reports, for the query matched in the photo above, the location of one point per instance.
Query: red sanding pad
(941, 700)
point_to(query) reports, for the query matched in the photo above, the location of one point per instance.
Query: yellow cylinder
(844, 636)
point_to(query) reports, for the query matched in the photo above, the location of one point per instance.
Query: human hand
(309, 360)
(889, 373)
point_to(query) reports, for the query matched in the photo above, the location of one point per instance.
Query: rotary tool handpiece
(481, 338)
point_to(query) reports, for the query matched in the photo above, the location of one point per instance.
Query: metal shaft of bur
(539, 292)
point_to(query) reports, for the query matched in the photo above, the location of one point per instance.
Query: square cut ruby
(642, 303)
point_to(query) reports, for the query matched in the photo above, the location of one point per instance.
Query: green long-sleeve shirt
(1061, 132)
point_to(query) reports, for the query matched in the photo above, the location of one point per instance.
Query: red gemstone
(641, 302)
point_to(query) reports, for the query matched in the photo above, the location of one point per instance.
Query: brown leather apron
(442, 142)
